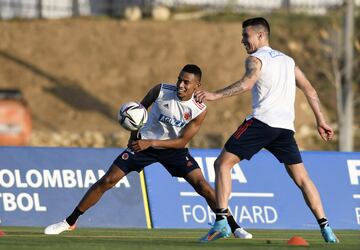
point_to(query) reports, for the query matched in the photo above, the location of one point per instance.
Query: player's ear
(261, 34)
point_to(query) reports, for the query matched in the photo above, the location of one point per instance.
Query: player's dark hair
(257, 21)
(193, 69)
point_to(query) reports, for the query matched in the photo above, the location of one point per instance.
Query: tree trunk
(347, 109)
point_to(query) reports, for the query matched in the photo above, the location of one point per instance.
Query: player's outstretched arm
(325, 131)
(247, 82)
(189, 132)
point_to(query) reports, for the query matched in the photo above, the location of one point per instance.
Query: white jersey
(274, 93)
(169, 115)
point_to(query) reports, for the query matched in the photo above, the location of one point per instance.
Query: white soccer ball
(132, 116)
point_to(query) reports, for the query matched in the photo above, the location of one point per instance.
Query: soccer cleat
(58, 228)
(219, 230)
(228, 229)
(329, 235)
(242, 234)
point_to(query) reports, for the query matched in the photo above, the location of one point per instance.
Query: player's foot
(228, 228)
(219, 230)
(58, 228)
(242, 234)
(329, 235)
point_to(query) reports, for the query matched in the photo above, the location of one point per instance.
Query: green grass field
(32, 238)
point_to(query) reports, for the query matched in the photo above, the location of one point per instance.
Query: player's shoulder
(267, 51)
(168, 87)
(198, 105)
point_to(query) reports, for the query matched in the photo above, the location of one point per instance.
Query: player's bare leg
(95, 192)
(312, 198)
(196, 179)
(311, 195)
(92, 196)
(223, 166)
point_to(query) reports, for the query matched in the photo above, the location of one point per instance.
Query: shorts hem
(241, 157)
(291, 163)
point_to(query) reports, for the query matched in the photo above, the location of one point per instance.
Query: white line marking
(356, 196)
(262, 195)
(235, 194)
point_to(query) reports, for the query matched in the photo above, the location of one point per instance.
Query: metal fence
(66, 8)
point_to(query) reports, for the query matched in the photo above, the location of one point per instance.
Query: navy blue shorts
(178, 162)
(253, 135)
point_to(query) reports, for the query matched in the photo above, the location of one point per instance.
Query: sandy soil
(76, 73)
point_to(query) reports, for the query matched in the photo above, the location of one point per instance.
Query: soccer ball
(132, 116)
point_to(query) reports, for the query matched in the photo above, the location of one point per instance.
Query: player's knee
(106, 182)
(222, 165)
(217, 165)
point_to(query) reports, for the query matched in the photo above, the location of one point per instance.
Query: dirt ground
(76, 73)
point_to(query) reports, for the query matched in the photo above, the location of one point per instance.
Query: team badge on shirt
(187, 115)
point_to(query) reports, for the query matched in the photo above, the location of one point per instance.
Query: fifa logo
(354, 175)
(354, 171)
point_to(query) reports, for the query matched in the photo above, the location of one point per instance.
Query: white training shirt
(274, 93)
(169, 115)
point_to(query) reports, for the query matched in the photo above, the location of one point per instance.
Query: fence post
(75, 8)
(285, 4)
(39, 8)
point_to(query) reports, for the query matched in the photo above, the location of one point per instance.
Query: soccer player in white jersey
(174, 118)
(272, 77)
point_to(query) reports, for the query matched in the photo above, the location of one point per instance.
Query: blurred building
(67, 8)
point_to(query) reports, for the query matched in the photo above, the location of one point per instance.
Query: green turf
(32, 238)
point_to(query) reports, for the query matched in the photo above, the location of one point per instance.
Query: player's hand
(325, 131)
(140, 145)
(130, 141)
(202, 95)
(133, 137)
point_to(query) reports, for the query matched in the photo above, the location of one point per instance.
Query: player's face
(186, 85)
(250, 39)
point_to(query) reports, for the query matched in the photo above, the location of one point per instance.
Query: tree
(341, 52)
(346, 89)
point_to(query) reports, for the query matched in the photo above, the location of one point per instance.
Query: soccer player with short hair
(174, 119)
(272, 77)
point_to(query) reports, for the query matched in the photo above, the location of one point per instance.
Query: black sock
(323, 222)
(71, 220)
(221, 213)
(232, 223)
